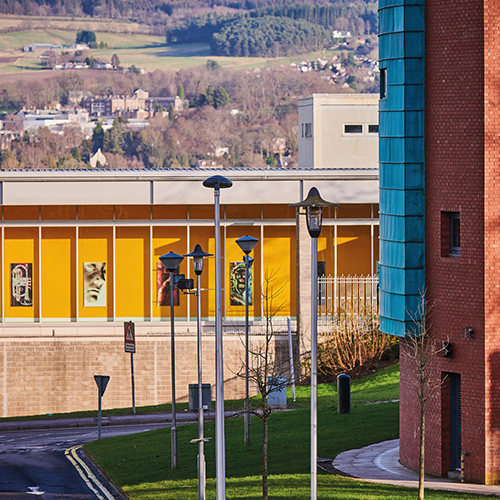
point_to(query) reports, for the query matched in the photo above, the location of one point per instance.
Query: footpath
(166, 418)
(379, 463)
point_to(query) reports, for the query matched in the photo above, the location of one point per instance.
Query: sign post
(129, 330)
(102, 383)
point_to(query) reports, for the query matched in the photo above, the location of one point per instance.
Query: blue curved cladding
(401, 157)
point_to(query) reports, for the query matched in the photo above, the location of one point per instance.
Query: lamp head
(247, 243)
(314, 211)
(171, 261)
(198, 254)
(217, 182)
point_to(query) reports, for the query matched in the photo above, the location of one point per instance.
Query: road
(35, 463)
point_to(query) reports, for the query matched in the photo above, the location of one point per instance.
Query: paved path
(379, 463)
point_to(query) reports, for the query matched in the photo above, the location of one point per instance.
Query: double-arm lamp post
(171, 261)
(247, 244)
(198, 254)
(313, 205)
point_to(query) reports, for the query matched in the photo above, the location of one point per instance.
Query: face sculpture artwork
(94, 283)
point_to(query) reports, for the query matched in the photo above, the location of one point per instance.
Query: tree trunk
(421, 471)
(264, 457)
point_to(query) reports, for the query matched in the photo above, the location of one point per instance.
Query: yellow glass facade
(58, 276)
(125, 242)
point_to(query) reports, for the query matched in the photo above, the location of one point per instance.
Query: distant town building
(123, 106)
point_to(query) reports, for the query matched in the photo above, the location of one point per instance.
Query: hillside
(181, 18)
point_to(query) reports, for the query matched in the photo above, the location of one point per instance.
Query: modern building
(338, 131)
(79, 256)
(59, 326)
(439, 230)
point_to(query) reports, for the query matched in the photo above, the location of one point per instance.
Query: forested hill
(177, 18)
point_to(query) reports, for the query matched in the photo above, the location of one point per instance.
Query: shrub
(354, 345)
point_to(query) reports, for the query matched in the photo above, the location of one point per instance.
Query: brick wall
(462, 124)
(492, 239)
(50, 374)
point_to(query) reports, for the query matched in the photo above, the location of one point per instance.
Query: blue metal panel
(401, 254)
(400, 176)
(401, 155)
(401, 202)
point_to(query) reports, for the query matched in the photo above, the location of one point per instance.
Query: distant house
(33, 47)
(98, 159)
(102, 65)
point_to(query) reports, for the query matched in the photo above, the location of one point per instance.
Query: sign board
(129, 330)
(102, 383)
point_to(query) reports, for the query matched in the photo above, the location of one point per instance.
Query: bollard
(344, 393)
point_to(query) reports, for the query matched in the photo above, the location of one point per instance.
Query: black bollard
(344, 393)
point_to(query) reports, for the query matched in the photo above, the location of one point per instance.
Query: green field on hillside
(144, 51)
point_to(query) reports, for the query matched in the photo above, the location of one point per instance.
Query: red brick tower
(462, 240)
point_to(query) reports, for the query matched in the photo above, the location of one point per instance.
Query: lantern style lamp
(314, 205)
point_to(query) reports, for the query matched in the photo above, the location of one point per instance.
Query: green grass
(383, 385)
(145, 458)
(140, 463)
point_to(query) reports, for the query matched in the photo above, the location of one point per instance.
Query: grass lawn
(140, 463)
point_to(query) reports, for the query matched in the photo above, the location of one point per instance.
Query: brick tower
(440, 219)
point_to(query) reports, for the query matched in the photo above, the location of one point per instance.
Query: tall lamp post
(171, 261)
(314, 212)
(198, 254)
(247, 244)
(218, 182)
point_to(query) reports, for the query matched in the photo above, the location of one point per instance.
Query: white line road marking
(87, 475)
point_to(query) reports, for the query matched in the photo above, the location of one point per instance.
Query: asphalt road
(36, 463)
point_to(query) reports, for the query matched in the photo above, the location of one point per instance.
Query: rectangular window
(450, 234)
(383, 83)
(455, 233)
(353, 129)
(373, 129)
(308, 129)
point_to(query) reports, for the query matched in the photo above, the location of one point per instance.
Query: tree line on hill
(268, 37)
(187, 21)
(359, 17)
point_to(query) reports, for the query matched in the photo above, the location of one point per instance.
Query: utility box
(344, 393)
(206, 397)
(276, 387)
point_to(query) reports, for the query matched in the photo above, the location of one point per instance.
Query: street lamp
(218, 182)
(247, 244)
(198, 254)
(314, 211)
(171, 261)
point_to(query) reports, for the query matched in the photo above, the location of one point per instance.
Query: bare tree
(422, 350)
(265, 365)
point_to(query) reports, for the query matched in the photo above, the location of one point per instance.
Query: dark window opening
(373, 129)
(353, 129)
(383, 83)
(450, 234)
(308, 129)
